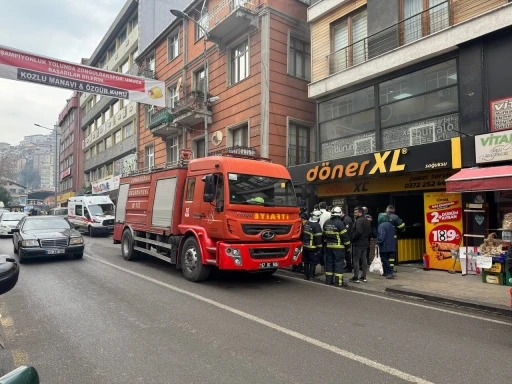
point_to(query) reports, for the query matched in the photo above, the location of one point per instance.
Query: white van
(92, 214)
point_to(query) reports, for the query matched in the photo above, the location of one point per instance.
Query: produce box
(493, 278)
(496, 267)
(508, 279)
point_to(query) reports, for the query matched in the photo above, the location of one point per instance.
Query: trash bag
(376, 265)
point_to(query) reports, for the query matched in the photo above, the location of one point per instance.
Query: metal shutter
(163, 204)
(121, 203)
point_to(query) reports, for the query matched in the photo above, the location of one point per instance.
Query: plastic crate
(493, 278)
(496, 268)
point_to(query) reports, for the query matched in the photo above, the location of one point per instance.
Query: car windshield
(13, 216)
(55, 223)
(261, 190)
(101, 209)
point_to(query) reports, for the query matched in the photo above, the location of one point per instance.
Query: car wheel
(191, 262)
(127, 245)
(78, 256)
(91, 231)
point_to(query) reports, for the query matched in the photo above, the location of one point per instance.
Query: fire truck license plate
(269, 265)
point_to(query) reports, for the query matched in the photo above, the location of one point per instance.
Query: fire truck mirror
(209, 188)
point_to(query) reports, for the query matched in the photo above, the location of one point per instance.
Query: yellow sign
(443, 228)
(410, 182)
(272, 216)
(377, 165)
(65, 196)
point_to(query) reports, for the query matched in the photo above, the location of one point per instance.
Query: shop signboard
(106, 185)
(405, 183)
(493, 147)
(443, 228)
(501, 114)
(23, 66)
(65, 173)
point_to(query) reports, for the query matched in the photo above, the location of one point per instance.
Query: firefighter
(336, 239)
(312, 244)
(399, 228)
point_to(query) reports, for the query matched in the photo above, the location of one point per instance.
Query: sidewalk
(438, 286)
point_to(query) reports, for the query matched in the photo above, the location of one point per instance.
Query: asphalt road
(106, 320)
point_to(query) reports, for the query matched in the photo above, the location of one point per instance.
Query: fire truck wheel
(127, 246)
(191, 265)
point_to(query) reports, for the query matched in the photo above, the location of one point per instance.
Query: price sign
(445, 234)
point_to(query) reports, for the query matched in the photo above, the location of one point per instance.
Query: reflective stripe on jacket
(312, 235)
(335, 233)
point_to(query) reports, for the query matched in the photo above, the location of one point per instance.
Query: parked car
(62, 211)
(39, 236)
(9, 221)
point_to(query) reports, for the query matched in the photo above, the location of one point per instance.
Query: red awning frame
(480, 179)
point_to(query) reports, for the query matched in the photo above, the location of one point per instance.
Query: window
(117, 137)
(101, 146)
(133, 22)
(111, 51)
(240, 62)
(149, 159)
(150, 62)
(191, 185)
(199, 81)
(173, 46)
(173, 149)
(116, 107)
(128, 130)
(199, 148)
(173, 96)
(78, 210)
(110, 169)
(299, 58)
(300, 145)
(93, 151)
(98, 122)
(90, 104)
(122, 36)
(423, 17)
(349, 45)
(203, 22)
(108, 142)
(125, 67)
(239, 136)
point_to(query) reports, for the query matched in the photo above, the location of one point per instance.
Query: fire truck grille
(256, 229)
(268, 253)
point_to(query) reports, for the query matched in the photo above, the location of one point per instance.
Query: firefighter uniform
(336, 239)
(399, 228)
(311, 247)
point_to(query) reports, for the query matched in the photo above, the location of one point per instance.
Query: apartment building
(401, 89)
(256, 73)
(110, 125)
(71, 156)
(17, 191)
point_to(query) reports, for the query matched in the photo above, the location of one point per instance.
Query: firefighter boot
(312, 271)
(306, 271)
(329, 278)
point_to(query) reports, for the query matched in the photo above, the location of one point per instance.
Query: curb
(500, 309)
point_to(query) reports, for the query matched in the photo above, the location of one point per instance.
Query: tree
(30, 177)
(5, 196)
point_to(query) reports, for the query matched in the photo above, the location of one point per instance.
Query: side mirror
(9, 272)
(17, 230)
(23, 374)
(209, 188)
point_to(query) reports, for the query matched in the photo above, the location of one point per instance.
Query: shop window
(191, 184)
(347, 104)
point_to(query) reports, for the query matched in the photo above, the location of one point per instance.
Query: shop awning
(481, 179)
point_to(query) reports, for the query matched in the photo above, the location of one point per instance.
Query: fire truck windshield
(261, 190)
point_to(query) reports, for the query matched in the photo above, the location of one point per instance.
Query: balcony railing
(235, 150)
(413, 28)
(147, 73)
(191, 109)
(163, 116)
(299, 156)
(225, 8)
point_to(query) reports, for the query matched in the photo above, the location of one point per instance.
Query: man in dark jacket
(349, 224)
(336, 240)
(360, 243)
(312, 244)
(387, 244)
(395, 220)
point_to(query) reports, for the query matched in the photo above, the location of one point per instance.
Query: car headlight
(97, 220)
(30, 243)
(297, 253)
(76, 240)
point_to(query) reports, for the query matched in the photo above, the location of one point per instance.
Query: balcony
(229, 18)
(161, 123)
(299, 156)
(191, 110)
(439, 29)
(124, 115)
(116, 151)
(147, 73)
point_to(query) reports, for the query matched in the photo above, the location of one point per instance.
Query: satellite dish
(217, 138)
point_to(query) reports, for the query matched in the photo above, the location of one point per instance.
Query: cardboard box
(493, 278)
(496, 268)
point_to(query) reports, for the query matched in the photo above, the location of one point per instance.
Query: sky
(62, 29)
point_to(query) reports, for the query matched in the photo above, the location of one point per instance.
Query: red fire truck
(231, 212)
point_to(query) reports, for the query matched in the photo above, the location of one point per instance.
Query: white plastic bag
(376, 265)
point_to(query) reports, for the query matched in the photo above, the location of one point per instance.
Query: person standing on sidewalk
(324, 216)
(373, 232)
(312, 244)
(399, 228)
(349, 224)
(387, 244)
(360, 243)
(336, 240)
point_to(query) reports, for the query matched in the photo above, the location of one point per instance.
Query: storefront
(401, 177)
(62, 200)
(108, 187)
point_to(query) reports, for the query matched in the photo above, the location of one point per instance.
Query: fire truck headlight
(297, 253)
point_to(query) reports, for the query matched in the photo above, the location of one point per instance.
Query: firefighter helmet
(336, 211)
(315, 216)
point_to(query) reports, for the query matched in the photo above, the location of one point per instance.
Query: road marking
(403, 302)
(331, 348)
(19, 356)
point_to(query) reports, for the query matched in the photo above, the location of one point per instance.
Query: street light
(56, 160)
(183, 15)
